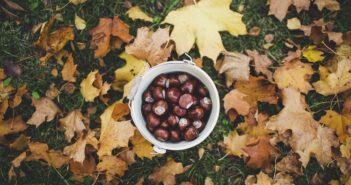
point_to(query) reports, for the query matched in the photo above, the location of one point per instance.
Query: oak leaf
(234, 143)
(69, 70)
(40, 151)
(112, 166)
(45, 110)
(136, 13)
(294, 74)
(152, 47)
(72, 123)
(262, 63)
(338, 122)
(203, 28)
(235, 66)
(141, 147)
(166, 174)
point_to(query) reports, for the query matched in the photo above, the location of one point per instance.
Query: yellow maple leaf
(345, 148)
(40, 151)
(166, 174)
(112, 166)
(142, 148)
(234, 143)
(312, 54)
(197, 23)
(337, 122)
(136, 13)
(93, 86)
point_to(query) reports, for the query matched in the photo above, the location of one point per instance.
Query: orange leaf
(119, 111)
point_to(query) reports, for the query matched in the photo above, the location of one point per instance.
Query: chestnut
(158, 93)
(202, 91)
(164, 124)
(173, 94)
(161, 134)
(172, 120)
(175, 135)
(160, 107)
(196, 113)
(206, 103)
(183, 77)
(183, 123)
(153, 120)
(147, 108)
(147, 96)
(188, 86)
(195, 100)
(199, 125)
(161, 80)
(190, 133)
(186, 101)
(151, 129)
(179, 111)
(173, 81)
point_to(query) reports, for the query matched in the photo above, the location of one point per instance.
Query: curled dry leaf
(203, 28)
(141, 147)
(235, 66)
(294, 74)
(69, 70)
(45, 110)
(290, 164)
(262, 63)
(17, 100)
(234, 143)
(87, 168)
(40, 151)
(72, 123)
(166, 174)
(136, 13)
(92, 86)
(112, 166)
(79, 23)
(308, 136)
(152, 47)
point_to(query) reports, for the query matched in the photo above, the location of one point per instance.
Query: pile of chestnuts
(176, 107)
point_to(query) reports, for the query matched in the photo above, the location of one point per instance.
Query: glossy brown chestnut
(173, 94)
(179, 111)
(160, 107)
(183, 77)
(206, 103)
(147, 96)
(196, 113)
(195, 100)
(175, 135)
(188, 86)
(172, 120)
(158, 93)
(161, 134)
(161, 80)
(151, 129)
(186, 101)
(190, 133)
(173, 81)
(147, 108)
(153, 120)
(183, 123)
(202, 91)
(164, 124)
(199, 125)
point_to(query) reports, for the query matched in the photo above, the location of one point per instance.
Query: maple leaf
(308, 136)
(45, 110)
(53, 42)
(69, 69)
(335, 81)
(312, 54)
(235, 100)
(338, 122)
(83, 169)
(120, 30)
(345, 148)
(100, 41)
(113, 134)
(262, 62)
(40, 151)
(235, 66)
(136, 13)
(294, 74)
(264, 179)
(128, 156)
(20, 143)
(141, 147)
(112, 166)
(12, 126)
(72, 123)
(92, 86)
(166, 174)
(153, 47)
(76, 151)
(280, 8)
(332, 5)
(18, 96)
(290, 164)
(234, 143)
(126, 73)
(203, 27)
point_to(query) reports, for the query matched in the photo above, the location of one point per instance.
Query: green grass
(16, 45)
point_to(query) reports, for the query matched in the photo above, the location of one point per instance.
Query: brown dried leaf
(262, 62)
(76, 151)
(279, 8)
(72, 123)
(100, 41)
(112, 166)
(235, 100)
(83, 169)
(234, 143)
(69, 70)
(45, 110)
(12, 126)
(40, 151)
(18, 96)
(166, 174)
(332, 5)
(20, 143)
(121, 30)
(290, 164)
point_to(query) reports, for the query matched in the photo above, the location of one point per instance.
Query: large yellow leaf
(201, 23)
(93, 86)
(142, 148)
(345, 148)
(338, 122)
(312, 54)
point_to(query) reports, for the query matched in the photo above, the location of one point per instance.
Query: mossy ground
(16, 45)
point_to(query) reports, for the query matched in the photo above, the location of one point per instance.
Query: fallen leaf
(20, 143)
(17, 100)
(234, 143)
(77, 2)
(204, 28)
(264, 179)
(279, 8)
(113, 134)
(14, 6)
(235, 100)
(332, 5)
(12, 126)
(335, 36)
(69, 70)
(100, 41)
(312, 54)
(128, 156)
(40, 151)
(208, 181)
(4, 105)
(336, 81)
(5, 91)
(87, 168)
(166, 174)
(45, 110)
(119, 111)
(15, 164)
(294, 24)
(52, 92)
(152, 47)
(141, 147)
(2, 74)
(255, 31)
(262, 63)
(92, 86)
(292, 55)
(294, 74)
(338, 122)
(112, 166)
(198, 62)
(345, 148)
(136, 13)
(121, 30)
(308, 136)
(235, 66)
(79, 23)
(290, 164)
(76, 151)
(72, 123)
